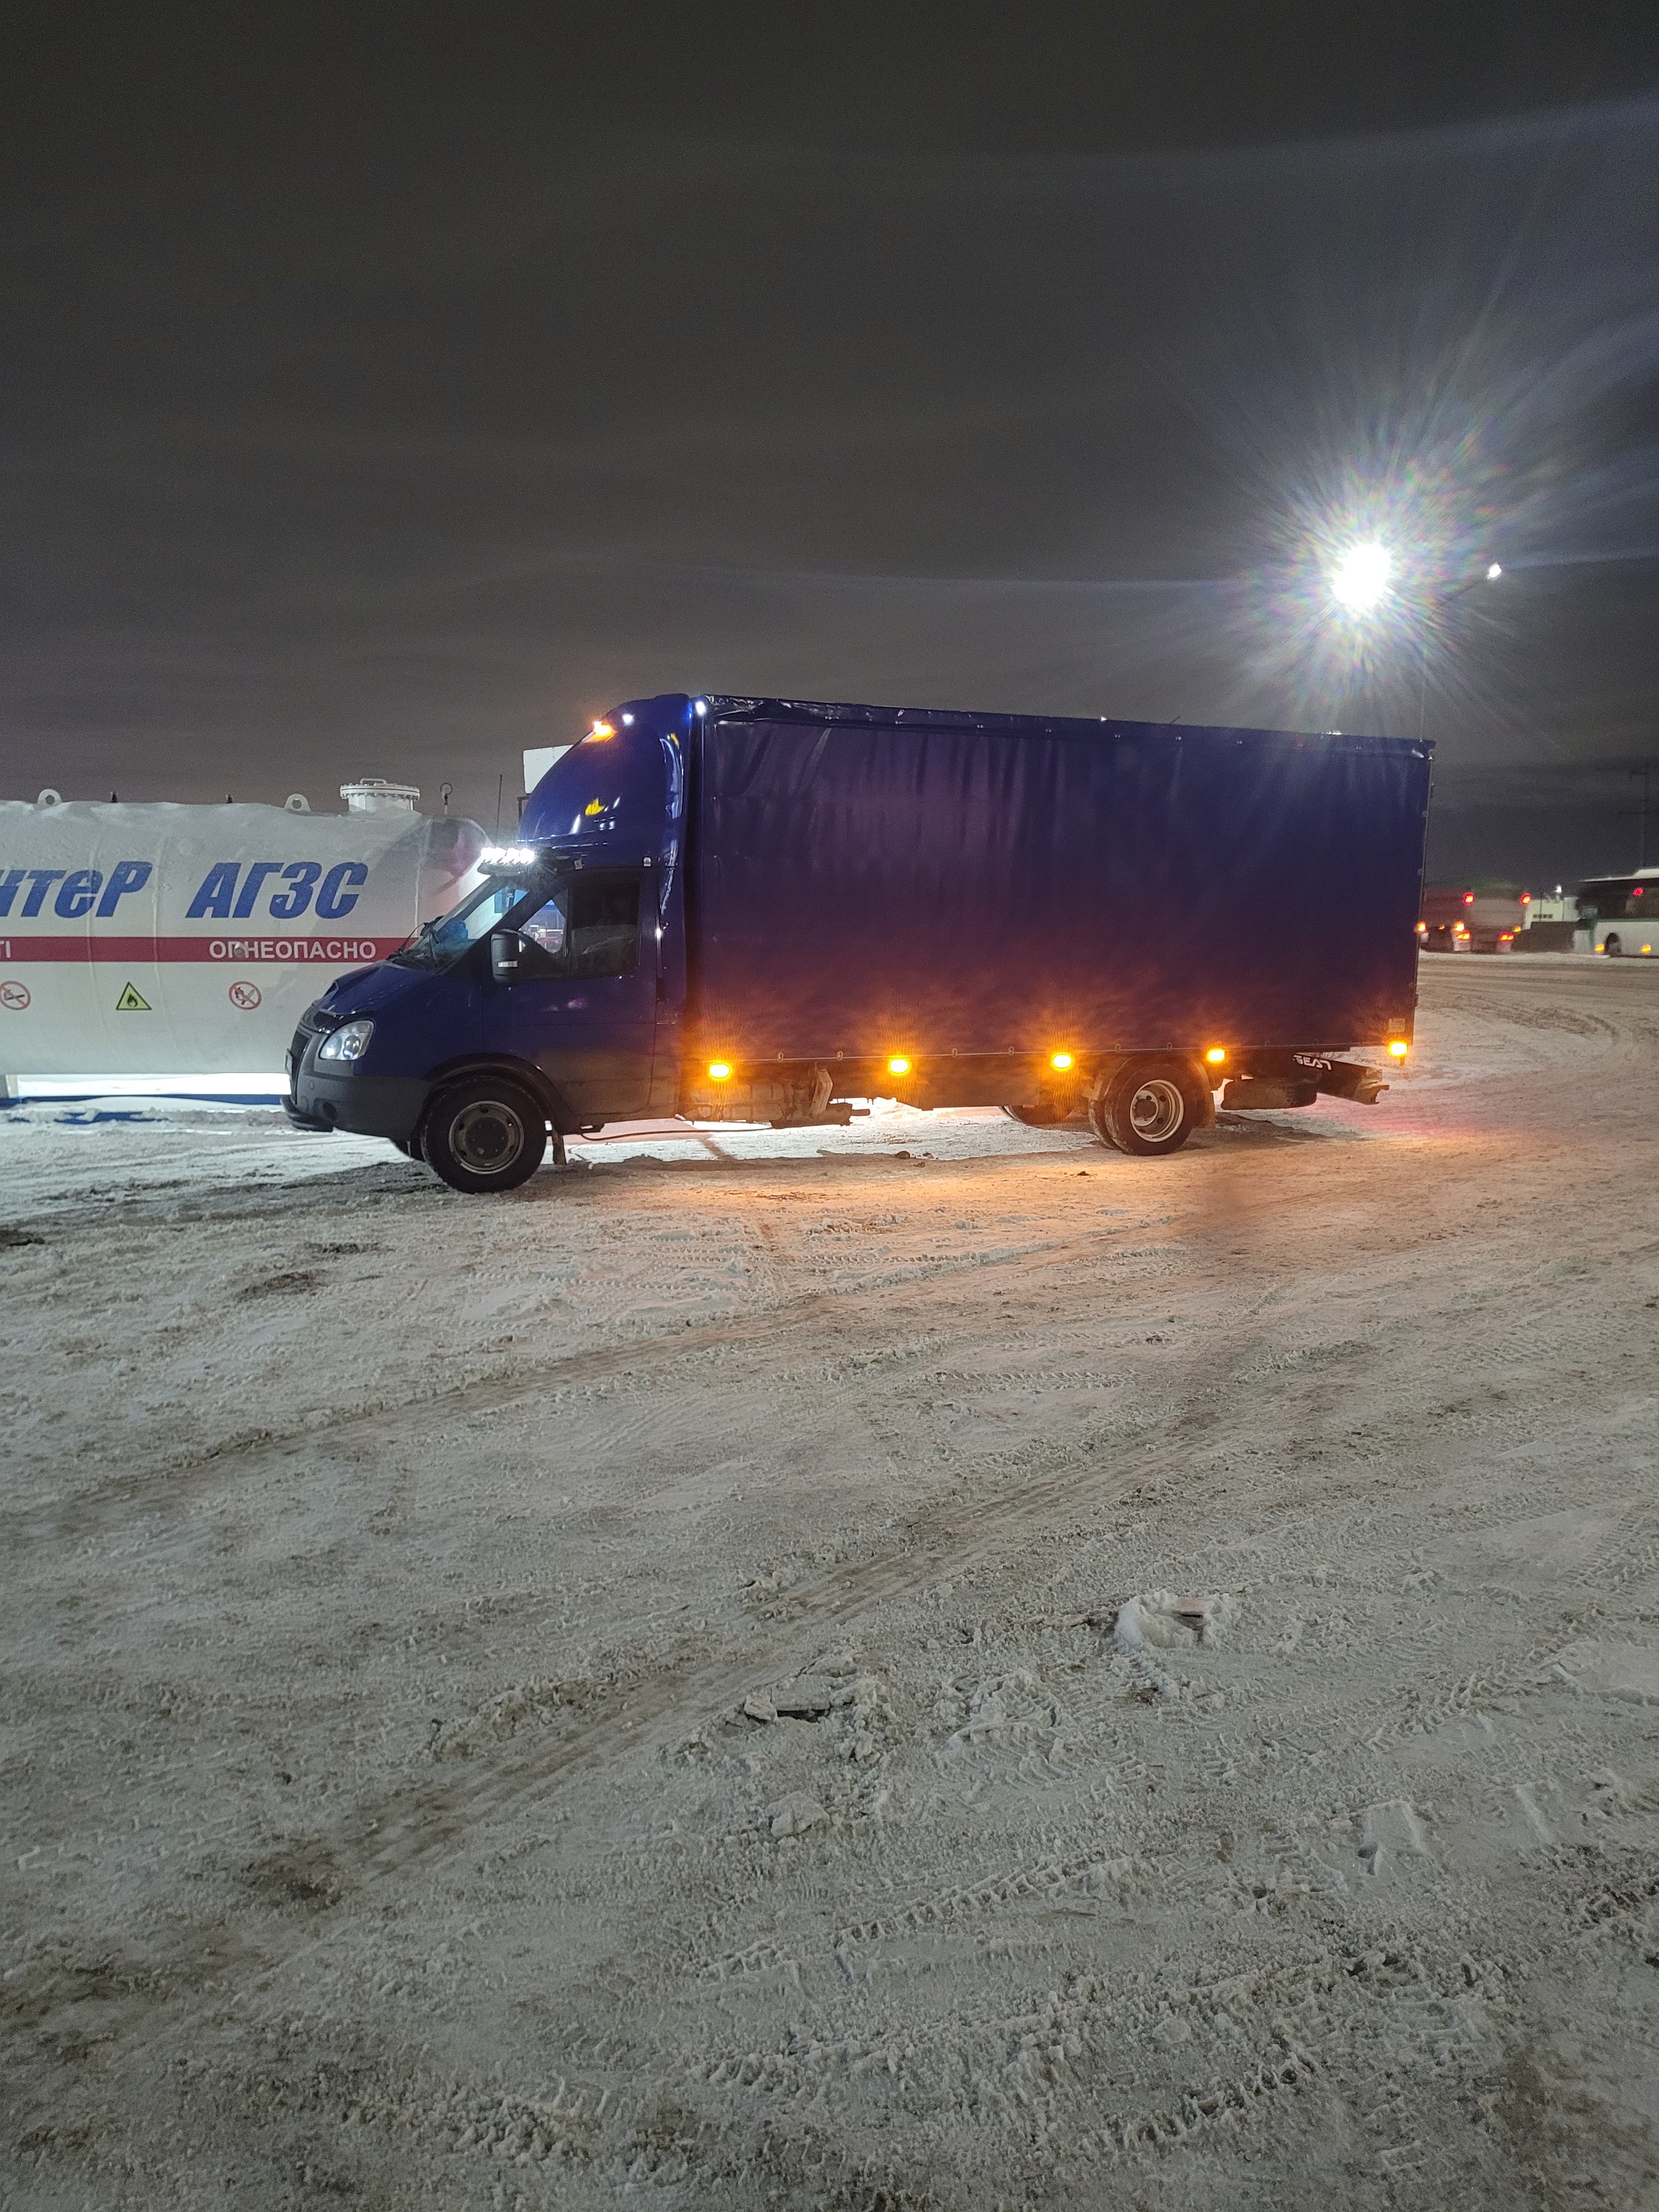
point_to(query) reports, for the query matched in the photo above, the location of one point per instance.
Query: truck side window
(604, 937)
(585, 929)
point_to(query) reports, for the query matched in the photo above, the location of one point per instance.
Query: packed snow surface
(938, 1666)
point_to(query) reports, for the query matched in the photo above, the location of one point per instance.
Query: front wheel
(485, 1135)
(1150, 1107)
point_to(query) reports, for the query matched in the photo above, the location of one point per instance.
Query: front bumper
(366, 1105)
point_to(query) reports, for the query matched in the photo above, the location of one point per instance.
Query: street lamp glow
(1494, 571)
(1361, 577)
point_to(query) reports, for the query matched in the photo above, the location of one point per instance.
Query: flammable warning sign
(132, 1002)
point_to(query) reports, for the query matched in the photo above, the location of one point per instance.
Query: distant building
(1552, 907)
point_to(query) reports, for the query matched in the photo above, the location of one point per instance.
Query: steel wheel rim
(1157, 1108)
(486, 1136)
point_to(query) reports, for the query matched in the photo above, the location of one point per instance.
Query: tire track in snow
(381, 1425)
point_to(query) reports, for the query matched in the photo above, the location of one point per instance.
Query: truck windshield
(444, 939)
(570, 928)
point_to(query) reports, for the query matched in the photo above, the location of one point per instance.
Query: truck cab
(547, 1001)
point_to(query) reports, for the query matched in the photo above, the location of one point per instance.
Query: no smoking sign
(245, 996)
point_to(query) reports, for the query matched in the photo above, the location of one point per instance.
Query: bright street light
(1361, 577)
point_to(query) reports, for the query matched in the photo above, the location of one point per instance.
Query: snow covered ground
(843, 1669)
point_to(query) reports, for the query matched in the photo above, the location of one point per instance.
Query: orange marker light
(602, 730)
(1216, 1054)
(1061, 1060)
(719, 1069)
(898, 1066)
(1398, 1048)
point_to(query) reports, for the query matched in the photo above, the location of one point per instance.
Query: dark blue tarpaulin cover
(874, 880)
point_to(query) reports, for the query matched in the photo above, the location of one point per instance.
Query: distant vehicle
(760, 910)
(1456, 920)
(1619, 915)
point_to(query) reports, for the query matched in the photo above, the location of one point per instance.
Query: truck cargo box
(865, 879)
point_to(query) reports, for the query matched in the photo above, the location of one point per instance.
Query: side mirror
(505, 948)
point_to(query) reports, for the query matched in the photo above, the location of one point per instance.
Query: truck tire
(1150, 1107)
(485, 1135)
(1038, 1116)
(1612, 948)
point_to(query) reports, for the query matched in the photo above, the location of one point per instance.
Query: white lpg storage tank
(186, 940)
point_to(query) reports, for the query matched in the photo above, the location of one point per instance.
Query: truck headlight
(350, 1042)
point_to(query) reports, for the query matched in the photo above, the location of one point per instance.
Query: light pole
(1363, 578)
(1493, 572)
(1643, 774)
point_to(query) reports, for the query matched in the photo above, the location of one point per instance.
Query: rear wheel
(1150, 1107)
(485, 1135)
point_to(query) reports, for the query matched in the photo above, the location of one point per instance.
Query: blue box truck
(763, 910)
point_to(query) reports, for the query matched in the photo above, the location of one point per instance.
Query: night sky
(390, 389)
